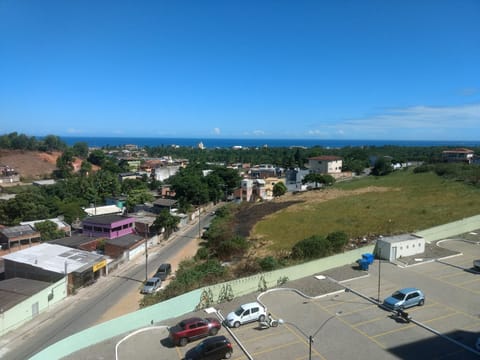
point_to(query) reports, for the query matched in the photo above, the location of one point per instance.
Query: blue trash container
(363, 263)
(368, 257)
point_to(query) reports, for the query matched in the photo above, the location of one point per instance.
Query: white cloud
(216, 131)
(258, 132)
(316, 132)
(419, 122)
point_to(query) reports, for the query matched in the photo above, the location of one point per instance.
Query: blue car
(404, 298)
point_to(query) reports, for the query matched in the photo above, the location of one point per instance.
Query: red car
(192, 329)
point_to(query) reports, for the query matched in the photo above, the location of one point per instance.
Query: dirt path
(129, 302)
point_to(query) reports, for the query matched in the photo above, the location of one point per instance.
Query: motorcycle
(268, 323)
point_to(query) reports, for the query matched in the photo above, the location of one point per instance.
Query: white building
(393, 247)
(326, 164)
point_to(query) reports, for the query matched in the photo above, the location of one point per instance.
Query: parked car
(214, 348)
(404, 298)
(246, 313)
(152, 285)
(163, 271)
(193, 328)
(476, 264)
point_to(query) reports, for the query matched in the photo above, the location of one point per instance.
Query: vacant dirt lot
(30, 165)
(250, 214)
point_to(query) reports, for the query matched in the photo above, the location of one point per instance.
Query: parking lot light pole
(310, 337)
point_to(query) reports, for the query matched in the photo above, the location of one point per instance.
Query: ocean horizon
(212, 143)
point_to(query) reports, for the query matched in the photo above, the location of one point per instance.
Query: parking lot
(345, 325)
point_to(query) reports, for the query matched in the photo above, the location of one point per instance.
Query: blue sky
(400, 70)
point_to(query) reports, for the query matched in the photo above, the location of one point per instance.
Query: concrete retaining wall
(451, 229)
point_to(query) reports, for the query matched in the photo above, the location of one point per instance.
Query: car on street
(163, 271)
(151, 285)
(246, 313)
(214, 348)
(193, 328)
(404, 298)
(476, 264)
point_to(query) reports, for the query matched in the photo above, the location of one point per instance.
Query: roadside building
(126, 247)
(78, 241)
(21, 300)
(50, 263)
(108, 226)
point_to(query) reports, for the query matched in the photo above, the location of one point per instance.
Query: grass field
(399, 203)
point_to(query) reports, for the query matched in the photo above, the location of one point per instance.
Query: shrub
(202, 253)
(234, 246)
(312, 248)
(337, 240)
(268, 263)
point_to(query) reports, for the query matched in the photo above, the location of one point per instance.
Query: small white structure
(393, 247)
(104, 210)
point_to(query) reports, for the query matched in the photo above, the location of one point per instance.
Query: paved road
(84, 309)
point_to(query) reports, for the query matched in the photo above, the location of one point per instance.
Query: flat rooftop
(55, 258)
(14, 291)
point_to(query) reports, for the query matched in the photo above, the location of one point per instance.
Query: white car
(246, 313)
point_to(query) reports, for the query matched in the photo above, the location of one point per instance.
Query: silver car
(404, 298)
(152, 285)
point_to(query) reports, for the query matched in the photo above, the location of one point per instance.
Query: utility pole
(146, 253)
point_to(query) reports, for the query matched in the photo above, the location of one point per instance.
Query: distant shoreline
(211, 143)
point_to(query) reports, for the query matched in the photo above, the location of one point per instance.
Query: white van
(245, 314)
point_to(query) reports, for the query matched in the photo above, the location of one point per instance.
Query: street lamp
(310, 337)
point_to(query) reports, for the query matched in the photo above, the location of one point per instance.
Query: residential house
(21, 300)
(18, 235)
(326, 164)
(269, 185)
(61, 225)
(128, 175)
(252, 190)
(293, 179)
(460, 155)
(108, 226)
(8, 175)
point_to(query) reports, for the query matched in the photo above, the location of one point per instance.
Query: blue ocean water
(211, 143)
